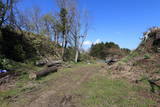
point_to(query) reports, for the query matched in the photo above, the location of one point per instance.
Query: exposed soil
(57, 93)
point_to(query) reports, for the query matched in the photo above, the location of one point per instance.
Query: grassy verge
(103, 92)
(130, 57)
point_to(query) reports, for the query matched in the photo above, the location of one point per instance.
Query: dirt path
(84, 86)
(58, 93)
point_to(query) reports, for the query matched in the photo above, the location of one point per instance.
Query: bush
(69, 54)
(85, 57)
(131, 56)
(5, 63)
(22, 46)
(19, 53)
(147, 56)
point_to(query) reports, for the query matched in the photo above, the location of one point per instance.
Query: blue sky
(120, 21)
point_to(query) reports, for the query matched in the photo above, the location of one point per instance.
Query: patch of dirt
(7, 82)
(58, 93)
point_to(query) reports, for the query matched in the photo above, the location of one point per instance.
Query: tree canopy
(108, 49)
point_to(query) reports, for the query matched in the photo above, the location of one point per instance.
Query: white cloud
(97, 41)
(88, 43)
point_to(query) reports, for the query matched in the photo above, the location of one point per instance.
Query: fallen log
(43, 72)
(54, 63)
(40, 63)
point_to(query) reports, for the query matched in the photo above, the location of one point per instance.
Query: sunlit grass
(21, 85)
(104, 92)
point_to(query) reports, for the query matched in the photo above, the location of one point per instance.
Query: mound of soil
(143, 63)
(151, 41)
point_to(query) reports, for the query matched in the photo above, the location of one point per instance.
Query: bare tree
(79, 30)
(56, 29)
(23, 21)
(36, 19)
(47, 21)
(30, 20)
(73, 26)
(7, 11)
(65, 19)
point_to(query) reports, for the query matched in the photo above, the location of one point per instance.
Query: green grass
(21, 85)
(62, 72)
(100, 91)
(104, 92)
(147, 56)
(130, 57)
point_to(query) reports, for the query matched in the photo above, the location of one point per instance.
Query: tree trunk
(63, 44)
(76, 56)
(55, 37)
(2, 20)
(0, 24)
(76, 48)
(64, 47)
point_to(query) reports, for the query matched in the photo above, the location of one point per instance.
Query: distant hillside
(108, 50)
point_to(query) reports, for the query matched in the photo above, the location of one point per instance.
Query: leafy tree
(63, 20)
(108, 49)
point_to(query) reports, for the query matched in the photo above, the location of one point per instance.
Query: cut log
(54, 63)
(43, 72)
(40, 63)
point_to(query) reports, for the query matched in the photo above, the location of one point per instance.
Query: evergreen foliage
(108, 49)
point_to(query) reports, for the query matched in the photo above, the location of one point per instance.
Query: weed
(147, 56)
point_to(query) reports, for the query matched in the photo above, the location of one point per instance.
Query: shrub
(85, 57)
(19, 53)
(69, 54)
(5, 63)
(22, 46)
(146, 56)
(130, 57)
